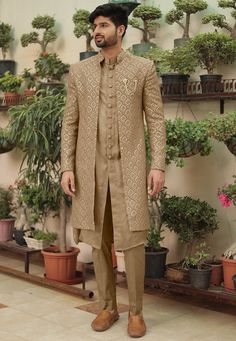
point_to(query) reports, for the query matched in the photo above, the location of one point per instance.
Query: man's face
(105, 33)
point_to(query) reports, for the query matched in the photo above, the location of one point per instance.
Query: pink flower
(224, 199)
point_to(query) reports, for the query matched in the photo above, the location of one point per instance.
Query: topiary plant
(6, 37)
(182, 13)
(219, 20)
(45, 23)
(50, 67)
(149, 16)
(83, 27)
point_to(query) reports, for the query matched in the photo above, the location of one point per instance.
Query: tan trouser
(105, 277)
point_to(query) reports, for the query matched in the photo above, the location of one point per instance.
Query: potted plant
(84, 28)
(191, 219)
(45, 23)
(185, 139)
(129, 4)
(219, 20)
(6, 220)
(216, 270)
(175, 66)
(10, 85)
(50, 69)
(6, 38)
(199, 271)
(145, 18)
(38, 239)
(181, 15)
(6, 144)
(211, 49)
(29, 82)
(229, 267)
(155, 253)
(42, 156)
(223, 129)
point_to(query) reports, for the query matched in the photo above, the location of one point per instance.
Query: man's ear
(121, 30)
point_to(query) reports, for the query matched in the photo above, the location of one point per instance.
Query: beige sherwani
(134, 89)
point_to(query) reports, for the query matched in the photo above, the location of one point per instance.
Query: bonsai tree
(211, 49)
(149, 16)
(191, 219)
(182, 13)
(219, 20)
(83, 27)
(45, 23)
(6, 37)
(50, 67)
(35, 126)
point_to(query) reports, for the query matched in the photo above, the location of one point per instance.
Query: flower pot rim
(207, 268)
(49, 251)
(161, 251)
(228, 260)
(10, 219)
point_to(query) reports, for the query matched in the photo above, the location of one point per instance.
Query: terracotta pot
(29, 92)
(6, 229)
(216, 273)
(60, 266)
(229, 270)
(11, 98)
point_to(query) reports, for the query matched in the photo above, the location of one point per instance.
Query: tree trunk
(62, 231)
(186, 28)
(89, 38)
(145, 33)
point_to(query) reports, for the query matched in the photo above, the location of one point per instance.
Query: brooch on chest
(130, 86)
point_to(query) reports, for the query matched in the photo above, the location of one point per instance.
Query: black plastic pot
(211, 83)
(200, 278)
(155, 263)
(174, 83)
(180, 42)
(19, 237)
(7, 65)
(87, 54)
(142, 48)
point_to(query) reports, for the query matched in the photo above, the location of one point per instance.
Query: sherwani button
(109, 156)
(109, 105)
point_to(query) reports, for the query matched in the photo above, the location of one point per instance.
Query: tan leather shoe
(104, 320)
(136, 326)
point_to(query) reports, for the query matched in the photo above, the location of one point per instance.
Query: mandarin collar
(119, 57)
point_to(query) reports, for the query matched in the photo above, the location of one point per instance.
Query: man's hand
(68, 183)
(156, 180)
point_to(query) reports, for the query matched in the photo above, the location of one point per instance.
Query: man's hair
(116, 13)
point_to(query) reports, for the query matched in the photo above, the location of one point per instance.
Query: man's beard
(103, 43)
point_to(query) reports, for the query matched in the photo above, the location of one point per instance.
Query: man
(104, 160)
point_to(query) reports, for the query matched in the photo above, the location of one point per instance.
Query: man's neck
(111, 52)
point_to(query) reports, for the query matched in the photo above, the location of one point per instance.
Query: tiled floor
(39, 314)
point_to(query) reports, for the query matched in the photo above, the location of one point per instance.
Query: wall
(201, 176)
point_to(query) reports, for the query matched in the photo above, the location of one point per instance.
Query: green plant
(154, 236)
(180, 60)
(5, 140)
(182, 13)
(210, 49)
(191, 219)
(6, 37)
(42, 235)
(28, 79)
(197, 259)
(221, 127)
(10, 83)
(183, 137)
(35, 126)
(219, 20)
(149, 16)
(83, 27)
(5, 204)
(45, 23)
(50, 67)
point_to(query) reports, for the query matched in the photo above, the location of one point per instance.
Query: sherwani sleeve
(153, 108)
(69, 126)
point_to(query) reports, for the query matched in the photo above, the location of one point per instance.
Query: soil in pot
(60, 266)
(200, 278)
(176, 273)
(155, 263)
